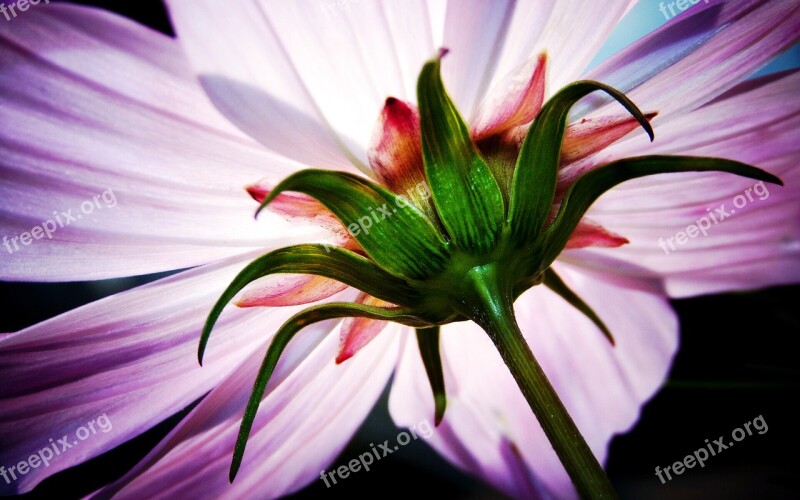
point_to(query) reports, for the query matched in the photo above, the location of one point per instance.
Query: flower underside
(481, 237)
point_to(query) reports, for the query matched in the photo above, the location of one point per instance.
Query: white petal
(700, 54)
(104, 121)
(306, 78)
(501, 41)
(311, 409)
(131, 357)
(753, 240)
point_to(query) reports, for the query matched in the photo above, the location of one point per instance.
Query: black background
(737, 360)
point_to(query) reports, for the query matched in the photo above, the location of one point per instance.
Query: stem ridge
(490, 305)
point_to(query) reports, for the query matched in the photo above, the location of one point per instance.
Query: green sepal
(465, 192)
(580, 196)
(428, 340)
(534, 183)
(395, 233)
(281, 340)
(335, 263)
(554, 282)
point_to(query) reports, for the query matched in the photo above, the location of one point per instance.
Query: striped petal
(288, 290)
(518, 106)
(115, 156)
(311, 409)
(752, 231)
(495, 43)
(395, 154)
(313, 104)
(590, 135)
(131, 357)
(701, 53)
(294, 206)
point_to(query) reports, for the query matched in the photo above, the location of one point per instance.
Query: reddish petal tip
(514, 104)
(399, 116)
(591, 234)
(258, 193)
(442, 52)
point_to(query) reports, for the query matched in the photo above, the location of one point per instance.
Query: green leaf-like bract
(281, 340)
(335, 263)
(580, 196)
(465, 192)
(428, 340)
(554, 282)
(392, 231)
(534, 183)
(482, 260)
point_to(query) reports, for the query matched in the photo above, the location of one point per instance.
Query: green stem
(491, 307)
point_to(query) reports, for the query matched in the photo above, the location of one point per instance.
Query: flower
(83, 126)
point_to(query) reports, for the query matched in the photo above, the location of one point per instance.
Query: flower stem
(492, 308)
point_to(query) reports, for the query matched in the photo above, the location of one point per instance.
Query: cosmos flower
(246, 96)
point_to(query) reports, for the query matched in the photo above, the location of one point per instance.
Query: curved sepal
(580, 196)
(534, 183)
(465, 192)
(554, 282)
(285, 334)
(428, 340)
(388, 227)
(335, 263)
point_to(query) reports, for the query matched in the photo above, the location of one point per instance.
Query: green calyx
(489, 242)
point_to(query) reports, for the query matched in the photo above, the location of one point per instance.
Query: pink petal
(356, 333)
(311, 409)
(289, 203)
(473, 30)
(758, 245)
(395, 153)
(603, 387)
(591, 135)
(591, 234)
(314, 104)
(117, 131)
(288, 290)
(295, 206)
(496, 41)
(518, 106)
(132, 357)
(701, 53)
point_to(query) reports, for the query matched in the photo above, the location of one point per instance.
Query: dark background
(737, 360)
